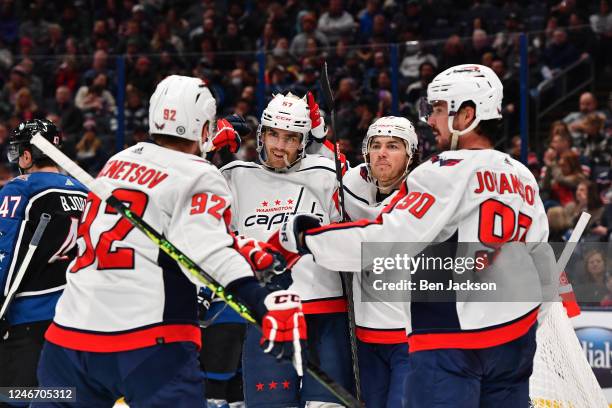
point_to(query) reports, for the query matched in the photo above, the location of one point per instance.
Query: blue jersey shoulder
(30, 184)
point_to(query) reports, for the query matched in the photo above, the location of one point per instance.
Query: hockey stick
(573, 241)
(347, 278)
(40, 228)
(104, 192)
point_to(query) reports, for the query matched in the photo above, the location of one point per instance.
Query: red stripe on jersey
(336, 202)
(403, 191)
(106, 343)
(324, 306)
(393, 336)
(474, 339)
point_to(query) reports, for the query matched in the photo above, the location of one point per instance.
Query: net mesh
(562, 377)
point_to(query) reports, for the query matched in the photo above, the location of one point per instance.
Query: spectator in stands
(366, 16)
(558, 224)
(412, 23)
(33, 25)
(336, 23)
(136, 114)
(560, 53)
(164, 39)
(581, 36)
(89, 153)
(587, 200)
(560, 179)
(507, 40)
(99, 65)
(309, 31)
(415, 55)
(95, 97)
(587, 104)
(268, 38)
(142, 76)
(35, 83)
(71, 118)
(594, 144)
(591, 290)
(453, 53)
(601, 23)
(17, 80)
(67, 73)
(479, 46)
(25, 106)
(308, 82)
(381, 33)
(418, 89)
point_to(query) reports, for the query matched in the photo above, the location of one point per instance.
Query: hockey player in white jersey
(390, 152)
(285, 182)
(126, 323)
(462, 354)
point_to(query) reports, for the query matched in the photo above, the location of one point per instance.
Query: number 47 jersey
(123, 292)
(482, 197)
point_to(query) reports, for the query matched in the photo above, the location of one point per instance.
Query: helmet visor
(12, 153)
(425, 109)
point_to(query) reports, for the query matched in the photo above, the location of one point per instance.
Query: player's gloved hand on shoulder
(284, 328)
(239, 124)
(289, 239)
(317, 129)
(225, 136)
(267, 262)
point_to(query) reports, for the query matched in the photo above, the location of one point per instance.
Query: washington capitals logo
(444, 162)
(158, 126)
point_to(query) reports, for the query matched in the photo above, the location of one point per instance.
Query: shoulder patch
(444, 162)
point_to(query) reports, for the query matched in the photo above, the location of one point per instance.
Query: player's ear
(27, 155)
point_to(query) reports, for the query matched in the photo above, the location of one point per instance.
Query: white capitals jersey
(264, 199)
(382, 321)
(468, 196)
(122, 291)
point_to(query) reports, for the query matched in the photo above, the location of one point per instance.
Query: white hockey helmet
(393, 126)
(181, 106)
(463, 83)
(390, 126)
(287, 112)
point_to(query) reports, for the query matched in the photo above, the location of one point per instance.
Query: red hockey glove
(287, 238)
(268, 262)
(284, 327)
(226, 136)
(317, 129)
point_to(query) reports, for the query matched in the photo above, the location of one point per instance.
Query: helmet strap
(456, 133)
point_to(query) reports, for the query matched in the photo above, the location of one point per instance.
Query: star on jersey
(2, 256)
(264, 203)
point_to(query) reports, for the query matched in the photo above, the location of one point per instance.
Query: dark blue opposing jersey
(22, 202)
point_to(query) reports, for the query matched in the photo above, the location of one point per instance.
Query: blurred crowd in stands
(59, 60)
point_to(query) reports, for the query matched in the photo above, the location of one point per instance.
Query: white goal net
(562, 377)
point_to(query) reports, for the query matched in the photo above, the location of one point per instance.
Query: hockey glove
(239, 124)
(226, 136)
(289, 240)
(284, 327)
(317, 128)
(268, 263)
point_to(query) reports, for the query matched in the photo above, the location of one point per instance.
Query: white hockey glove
(317, 129)
(284, 327)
